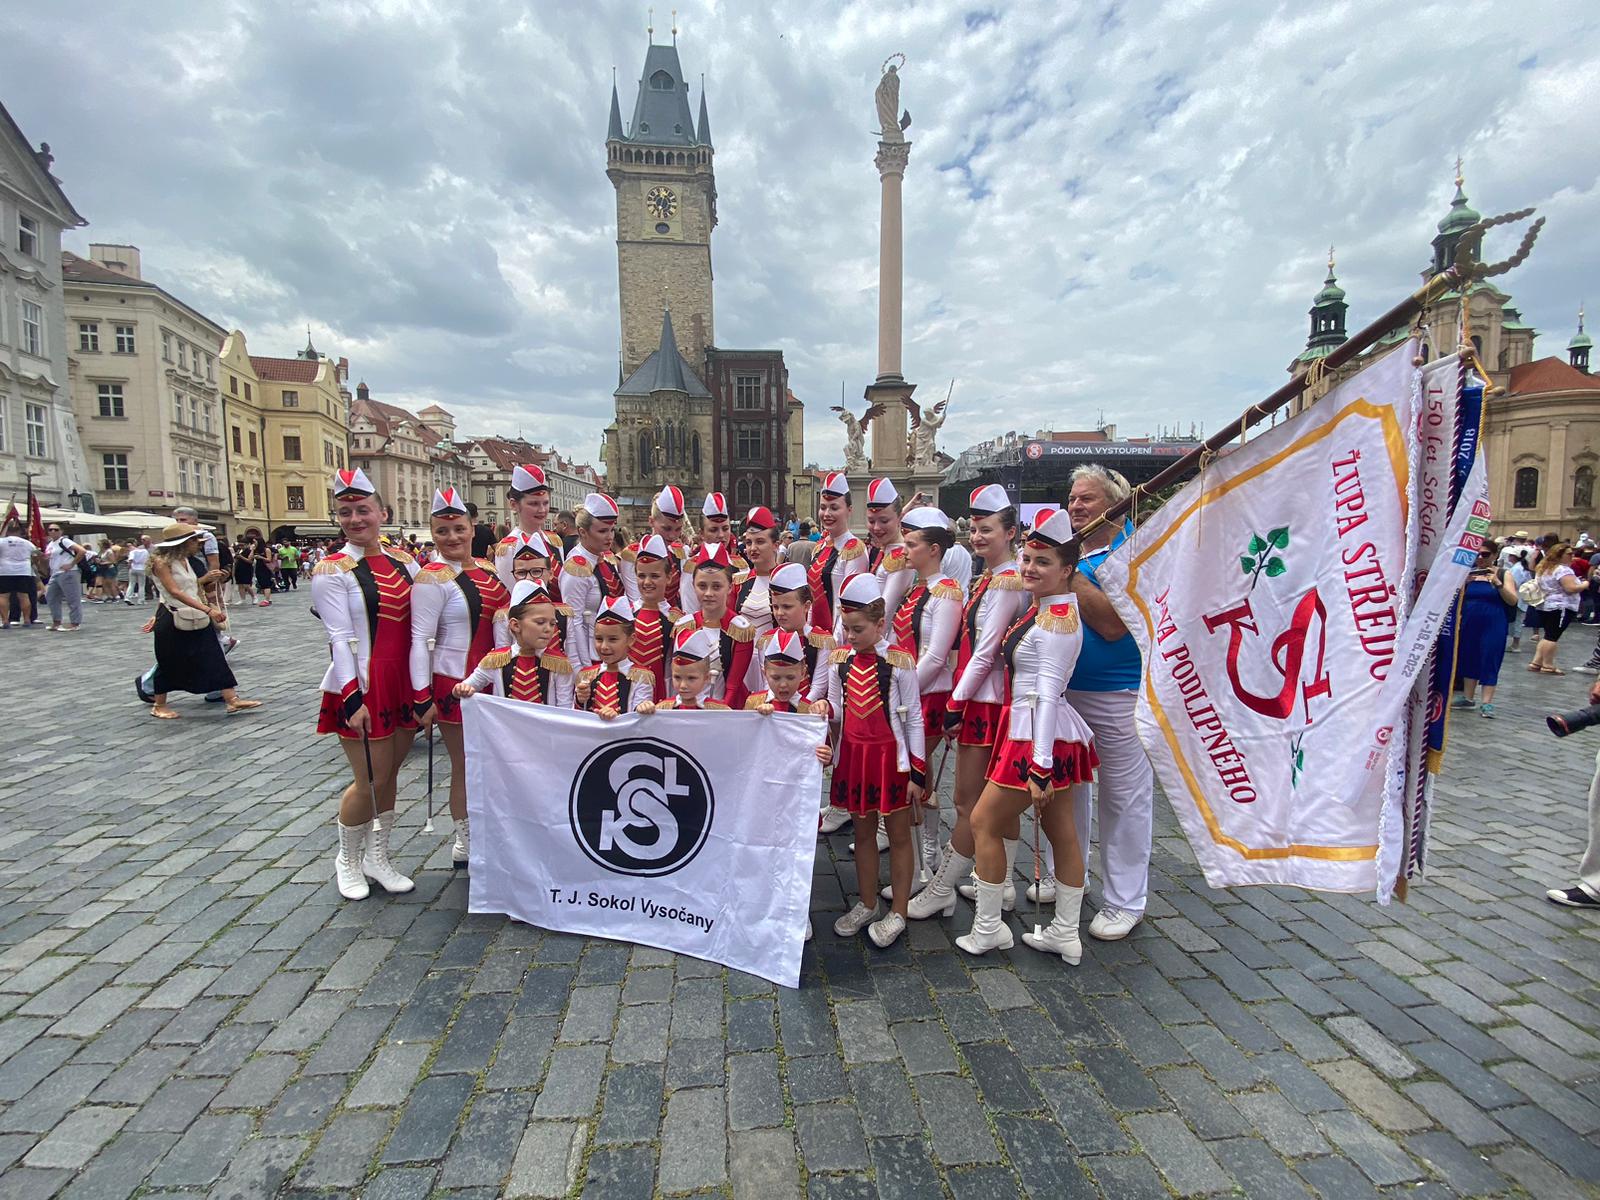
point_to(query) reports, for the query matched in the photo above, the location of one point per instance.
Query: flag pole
(1462, 273)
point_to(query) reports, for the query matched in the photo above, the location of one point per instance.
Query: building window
(115, 468)
(237, 449)
(110, 397)
(644, 453)
(1526, 492)
(1583, 488)
(125, 343)
(166, 346)
(747, 391)
(297, 498)
(291, 399)
(255, 495)
(32, 328)
(327, 454)
(89, 336)
(696, 456)
(338, 454)
(33, 419)
(27, 235)
(183, 476)
(205, 416)
(211, 479)
(183, 355)
(233, 385)
(194, 413)
(177, 408)
(291, 448)
(238, 491)
(211, 369)
(5, 430)
(747, 445)
(253, 446)
(247, 393)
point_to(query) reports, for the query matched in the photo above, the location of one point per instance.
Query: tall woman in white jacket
(1043, 746)
(362, 593)
(458, 614)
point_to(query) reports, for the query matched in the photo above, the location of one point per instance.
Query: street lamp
(75, 498)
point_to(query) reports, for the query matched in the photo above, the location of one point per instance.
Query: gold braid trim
(840, 656)
(399, 555)
(563, 610)
(1008, 582)
(556, 662)
(483, 564)
(855, 549)
(895, 558)
(741, 578)
(902, 659)
(629, 555)
(495, 660)
(588, 674)
(715, 706)
(500, 614)
(642, 675)
(754, 700)
(437, 572)
(822, 641)
(334, 565)
(1051, 623)
(580, 567)
(741, 631)
(946, 589)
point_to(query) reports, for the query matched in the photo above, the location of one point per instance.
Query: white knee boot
(459, 850)
(938, 899)
(1061, 936)
(375, 863)
(347, 862)
(988, 932)
(1009, 896)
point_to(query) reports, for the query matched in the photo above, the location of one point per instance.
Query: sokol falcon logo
(641, 807)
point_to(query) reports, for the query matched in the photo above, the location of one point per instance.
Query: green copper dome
(1580, 341)
(1330, 292)
(1461, 214)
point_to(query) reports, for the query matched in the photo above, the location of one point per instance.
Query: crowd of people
(911, 648)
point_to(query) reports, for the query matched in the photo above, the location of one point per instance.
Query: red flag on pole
(11, 515)
(35, 519)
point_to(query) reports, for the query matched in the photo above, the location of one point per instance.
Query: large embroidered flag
(1269, 597)
(694, 832)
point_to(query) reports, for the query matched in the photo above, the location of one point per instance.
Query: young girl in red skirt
(880, 766)
(1043, 748)
(972, 717)
(362, 593)
(458, 614)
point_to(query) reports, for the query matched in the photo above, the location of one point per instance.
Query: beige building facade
(406, 458)
(145, 389)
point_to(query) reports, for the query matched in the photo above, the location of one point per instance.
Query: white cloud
(1119, 210)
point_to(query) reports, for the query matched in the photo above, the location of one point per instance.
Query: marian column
(889, 426)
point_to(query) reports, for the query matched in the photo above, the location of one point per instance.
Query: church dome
(1461, 214)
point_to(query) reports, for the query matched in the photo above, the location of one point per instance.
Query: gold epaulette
(740, 578)
(503, 545)
(683, 618)
(642, 675)
(587, 674)
(715, 706)
(822, 641)
(670, 615)
(563, 610)
(556, 662)
(902, 659)
(895, 558)
(398, 555)
(854, 549)
(947, 589)
(437, 572)
(1058, 618)
(579, 566)
(740, 630)
(1008, 581)
(628, 555)
(680, 551)
(500, 614)
(840, 656)
(740, 562)
(495, 660)
(754, 700)
(334, 564)
(484, 564)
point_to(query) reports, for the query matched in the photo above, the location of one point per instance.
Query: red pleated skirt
(980, 723)
(444, 700)
(867, 776)
(388, 701)
(933, 706)
(1072, 762)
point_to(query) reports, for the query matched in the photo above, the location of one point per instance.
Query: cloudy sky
(1116, 210)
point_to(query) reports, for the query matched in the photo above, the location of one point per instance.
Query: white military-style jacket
(442, 614)
(340, 598)
(934, 621)
(1040, 649)
(996, 601)
(557, 684)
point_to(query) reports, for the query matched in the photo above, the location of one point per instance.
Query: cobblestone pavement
(186, 1006)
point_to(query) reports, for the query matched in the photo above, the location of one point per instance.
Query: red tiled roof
(285, 370)
(85, 270)
(1550, 375)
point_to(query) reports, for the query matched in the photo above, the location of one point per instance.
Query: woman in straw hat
(189, 657)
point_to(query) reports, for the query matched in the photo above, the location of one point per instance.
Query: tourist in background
(1560, 587)
(189, 656)
(1527, 618)
(19, 595)
(1489, 602)
(63, 557)
(261, 558)
(138, 572)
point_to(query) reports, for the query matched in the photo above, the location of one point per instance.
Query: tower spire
(1580, 345)
(1328, 309)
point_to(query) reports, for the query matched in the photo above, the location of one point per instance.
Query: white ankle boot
(930, 843)
(347, 862)
(938, 899)
(458, 851)
(1061, 936)
(375, 863)
(989, 932)
(1009, 897)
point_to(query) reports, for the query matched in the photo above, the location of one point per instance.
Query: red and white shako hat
(760, 517)
(352, 481)
(835, 483)
(925, 517)
(790, 577)
(881, 493)
(654, 549)
(528, 477)
(533, 544)
(669, 500)
(712, 553)
(693, 645)
(1051, 528)
(784, 645)
(529, 591)
(614, 612)
(860, 590)
(600, 506)
(988, 500)
(716, 505)
(448, 502)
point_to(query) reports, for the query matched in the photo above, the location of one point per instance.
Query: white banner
(1268, 597)
(693, 832)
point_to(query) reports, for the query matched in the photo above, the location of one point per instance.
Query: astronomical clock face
(662, 202)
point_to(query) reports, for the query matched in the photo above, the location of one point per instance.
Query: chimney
(124, 260)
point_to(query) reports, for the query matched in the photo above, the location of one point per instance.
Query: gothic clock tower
(661, 168)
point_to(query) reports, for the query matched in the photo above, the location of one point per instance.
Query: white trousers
(1125, 790)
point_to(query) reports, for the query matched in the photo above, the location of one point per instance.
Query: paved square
(187, 1007)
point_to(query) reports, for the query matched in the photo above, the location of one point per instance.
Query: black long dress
(188, 660)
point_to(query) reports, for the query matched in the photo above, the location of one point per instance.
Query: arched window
(741, 494)
(696, 454)
(1526, 492)
(1477, 344)
(1583, 487)
(661, 81)
(758, 492)
(644, 452)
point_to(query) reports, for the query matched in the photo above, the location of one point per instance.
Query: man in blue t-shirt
(1103, 689)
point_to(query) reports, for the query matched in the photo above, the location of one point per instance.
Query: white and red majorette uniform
(1042, 737)
(689, 599)
(996, 600)
(872, 698)
(704, 704)
(364, 601)
(651, 647)
(818, 647)
(676, 576)
(505, 550)
(623, 687)
(833, 563)
(925, 626)
(896, 575)
(752, 599)
(461, 609)
(588, 580)
(544, 678)
(798, 703)
(735, 644)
